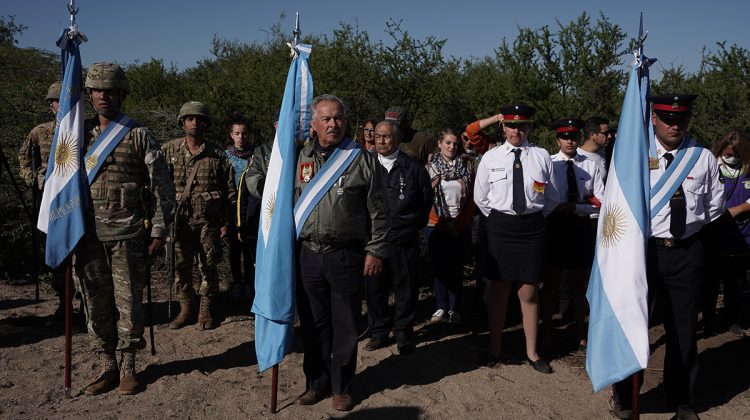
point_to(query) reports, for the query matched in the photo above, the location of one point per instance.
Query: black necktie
(519, 198)
(678, 210)
(572, 184)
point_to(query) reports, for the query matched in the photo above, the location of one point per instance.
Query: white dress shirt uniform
(597, 158)
(493, 187)
(588, 178)
(704, 195)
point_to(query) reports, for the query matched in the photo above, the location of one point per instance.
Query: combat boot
(107, 378)
(58, 317)
(186, 315)
(205, 314)
(128, 381)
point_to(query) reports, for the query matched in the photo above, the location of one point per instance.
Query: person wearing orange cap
(570, 231)
(686, 194)
(515, 188)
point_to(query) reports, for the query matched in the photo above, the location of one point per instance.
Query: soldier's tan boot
(205, 314)
(186, 315)
(107, 377)
(128, 381)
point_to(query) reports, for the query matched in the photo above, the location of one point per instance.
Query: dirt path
(197, 374)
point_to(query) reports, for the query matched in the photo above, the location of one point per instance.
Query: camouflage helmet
(107, 76)
(193, 108)
(54, 91)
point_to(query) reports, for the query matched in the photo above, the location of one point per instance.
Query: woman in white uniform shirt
(515, 189)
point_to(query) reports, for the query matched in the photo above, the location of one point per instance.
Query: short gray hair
(395, 131)
(323, 98)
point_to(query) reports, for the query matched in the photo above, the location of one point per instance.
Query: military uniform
(350, 218)
(201, 214)
(256, 178)
(111, 258)
(39, 141)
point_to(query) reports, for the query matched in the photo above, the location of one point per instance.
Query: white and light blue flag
(65, 197)
(618, 343)
(275, 259)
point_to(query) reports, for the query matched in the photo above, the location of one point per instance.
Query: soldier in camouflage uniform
(130, 194)
(206, 196)
(36, 148)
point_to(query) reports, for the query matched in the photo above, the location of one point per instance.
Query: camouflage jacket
(131, 186)
(354, 212)
(213, 195)
(39, 142)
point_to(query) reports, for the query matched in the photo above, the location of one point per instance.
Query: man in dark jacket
(409, 195)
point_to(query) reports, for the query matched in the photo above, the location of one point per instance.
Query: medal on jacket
(339, 190)
(401, 185)
(306, 171)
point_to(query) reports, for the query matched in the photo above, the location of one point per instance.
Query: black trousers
(328, 310)
(674, 278)
(399, 272)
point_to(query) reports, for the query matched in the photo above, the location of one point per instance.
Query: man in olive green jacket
(342, 240)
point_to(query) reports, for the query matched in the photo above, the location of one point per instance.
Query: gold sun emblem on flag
(613, 225)
(270, 204)
(66, 154)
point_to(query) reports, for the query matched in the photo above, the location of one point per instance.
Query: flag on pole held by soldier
(618, 343)
(275, 261)
(61, 215)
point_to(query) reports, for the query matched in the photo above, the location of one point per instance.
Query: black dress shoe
(684, 412)
(490, 360)
(405, 347)
(539, 365)
(376, 343)
(312, 396)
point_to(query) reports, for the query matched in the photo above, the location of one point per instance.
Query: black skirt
(570, 241)
(516, 247)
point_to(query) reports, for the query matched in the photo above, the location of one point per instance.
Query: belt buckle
(669, 242)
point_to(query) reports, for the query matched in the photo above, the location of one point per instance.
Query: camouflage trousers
(112, 275)
(201, 242)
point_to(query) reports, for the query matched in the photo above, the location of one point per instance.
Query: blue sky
(180, 31)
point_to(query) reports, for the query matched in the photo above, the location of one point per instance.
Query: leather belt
(672, 243)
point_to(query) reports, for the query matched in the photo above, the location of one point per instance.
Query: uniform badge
(91, 161)
(653, 163)
(539, 186)
(747, 185)
(305, 171)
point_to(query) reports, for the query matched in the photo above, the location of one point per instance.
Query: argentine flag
(61, 215)
(618, 343)
(275, 260)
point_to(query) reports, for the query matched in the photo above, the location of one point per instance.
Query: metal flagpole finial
(296, 32)
(73, 12)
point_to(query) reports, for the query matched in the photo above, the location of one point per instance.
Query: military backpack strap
(191, 176)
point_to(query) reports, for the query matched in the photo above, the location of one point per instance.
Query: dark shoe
(581, 349)
(539, 365)
(490, 360)
(311, 397)
(376, 343)
(342, 402)
(684, 412)
(404, 347)
(735, 329)
(621, 413)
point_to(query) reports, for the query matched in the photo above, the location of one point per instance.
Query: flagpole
(68, 337)
(274, 387)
